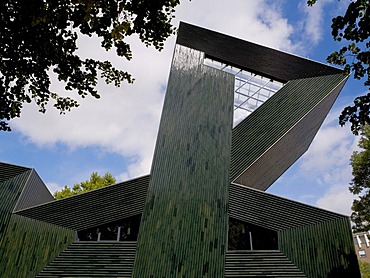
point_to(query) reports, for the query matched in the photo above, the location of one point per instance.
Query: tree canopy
(94, 182)
(360, 185)
(352, 30)
(39, 36)
(365, 269)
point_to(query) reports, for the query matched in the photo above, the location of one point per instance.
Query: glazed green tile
(184, 225)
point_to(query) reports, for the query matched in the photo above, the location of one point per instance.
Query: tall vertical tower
(199, 155)
(184, 224)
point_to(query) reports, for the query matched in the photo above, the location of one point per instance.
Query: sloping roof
(275, 135)
(248, 56)
(95, 207)
(272, 138)
(126, 199)
(273, 212)
(8, 171)
(21, 187)
(12, 181)
(34, 193)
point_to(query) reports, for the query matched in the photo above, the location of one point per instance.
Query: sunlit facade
(236, 116)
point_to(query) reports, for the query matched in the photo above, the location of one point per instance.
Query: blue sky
(117, 133)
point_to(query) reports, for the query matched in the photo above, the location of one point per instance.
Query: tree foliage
(364, 269)
(360, 185)
(353, 29)
(41, 35)
(94, 182)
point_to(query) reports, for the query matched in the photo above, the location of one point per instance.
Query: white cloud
(125, 120)
(312, 21)
(326, 165)
(257, 21)
(322, 175)
(338, 199)
(331, 149)
(136, 169)
(53, 186)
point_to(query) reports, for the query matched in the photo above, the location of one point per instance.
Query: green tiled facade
(26, 245)
(318, 242)
(12, 181)
(184, 223)
(281, 130)
(204, 174)
(29, 245)
(322, 250)
(88, 210)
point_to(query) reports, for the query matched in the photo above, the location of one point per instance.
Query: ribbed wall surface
(260, 264)
(34, 193)
(273, 212)
(93, 259)
(10, 189)
(19, 186)
(277, 120)
(94, 208)
(184, 225)
(29, 245)
(185, 203)
(289, 147)
(26, 245)
(317, 241)
(245, 55)
(103, 259)
(8, 171)
(322, 250)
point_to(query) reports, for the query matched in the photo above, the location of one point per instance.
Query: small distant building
(236, 116)
(362, 246)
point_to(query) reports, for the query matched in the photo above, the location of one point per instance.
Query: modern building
(236, 116)
(362, 246)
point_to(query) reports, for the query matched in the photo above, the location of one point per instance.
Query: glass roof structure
(251, 90)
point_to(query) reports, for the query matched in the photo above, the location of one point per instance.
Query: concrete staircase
(93, 259)
(116, 259)
(260, 264)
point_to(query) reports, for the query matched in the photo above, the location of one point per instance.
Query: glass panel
(124, 230)
(109, 231)
(245, 236)
(250, 91)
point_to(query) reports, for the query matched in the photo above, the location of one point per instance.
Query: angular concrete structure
(202, 211)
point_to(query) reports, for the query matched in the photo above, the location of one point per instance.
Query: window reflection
(122, 230)
(245, 236)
